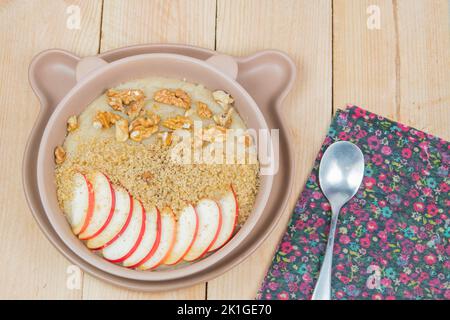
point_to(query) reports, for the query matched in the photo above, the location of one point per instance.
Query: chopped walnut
(122, 130)
(140, 133)
(223, 98)
(105, 119)
(203, 111)
(148, 120)
(60, 155)
(177, 98)
(147, 176)
(179, 122)
(225, 118)
(72, 123)
(130, 101)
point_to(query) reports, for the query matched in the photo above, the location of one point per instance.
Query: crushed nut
(72, 123)
(223, 98)
(179, 122)
(105, 119)
(177, 98)
(130, 101)
(122, 130)
(203, 111)
(147, 176)
(60, 155)
(225, 118)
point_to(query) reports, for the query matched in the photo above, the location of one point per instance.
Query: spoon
(340, 175)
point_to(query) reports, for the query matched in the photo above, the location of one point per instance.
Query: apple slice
(150, 240)
(209, 225)
(229, 208)
(127, 243)
(187, 227)
(168, 232)
(81, 206)
(119, 222)
(103, 208)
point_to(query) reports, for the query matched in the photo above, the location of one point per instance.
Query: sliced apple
(168, 232)
(103, 208)
(187, 227)
(119, 222)
(127, 243)
(209, 225)
(229, 208)
(150, 240)
(80, 208)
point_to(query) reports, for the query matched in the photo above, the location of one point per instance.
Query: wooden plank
(303, 30)
(364, 59)
(399, 70)
(424, 65)
(31, 267)
(158, 21)
(137, 22)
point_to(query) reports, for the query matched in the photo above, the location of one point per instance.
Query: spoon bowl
(341, 171)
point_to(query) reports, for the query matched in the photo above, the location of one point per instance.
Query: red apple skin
(127, 222)
(91, 204)
(155, 245)
(215, 236)
(193, 239)
(111, 212)
(171, 245)
(138, 241)
(235, 218)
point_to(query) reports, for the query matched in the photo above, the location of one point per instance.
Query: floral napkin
(392, 238)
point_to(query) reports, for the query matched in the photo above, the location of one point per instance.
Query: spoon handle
(322, 291)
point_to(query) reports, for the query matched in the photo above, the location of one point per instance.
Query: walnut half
(177, 98)
(178, 122)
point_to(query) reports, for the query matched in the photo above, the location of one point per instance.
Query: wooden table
(399, 70)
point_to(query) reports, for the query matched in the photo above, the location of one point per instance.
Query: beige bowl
(267, 76)
(94, 77)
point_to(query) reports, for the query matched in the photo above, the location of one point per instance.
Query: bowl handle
(52, 75)
(225, 64)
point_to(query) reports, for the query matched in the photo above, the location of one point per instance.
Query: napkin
(392, 238)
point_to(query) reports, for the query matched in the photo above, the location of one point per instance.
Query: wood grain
(138, 22)
(364, 60)
(424, 65)
(158, 21)
(31, 268)
(303, 30)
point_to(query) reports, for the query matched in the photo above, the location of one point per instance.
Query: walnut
(177, 98)
(225, 118)
(122, 130)
(60, 155)
(223, 98)
(148, 120)
(72, 123)
(130, 101)
(179, 122)
(203, 111)
(105, 119)
(140, 133)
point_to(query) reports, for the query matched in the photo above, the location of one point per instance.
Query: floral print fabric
(392, 238)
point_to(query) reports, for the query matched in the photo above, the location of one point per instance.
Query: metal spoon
(340, 175)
